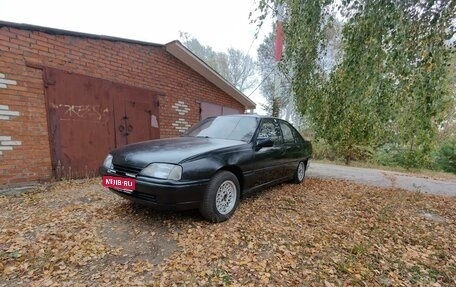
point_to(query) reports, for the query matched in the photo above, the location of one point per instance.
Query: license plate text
(119, 182)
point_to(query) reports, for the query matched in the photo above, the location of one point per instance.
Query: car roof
(250, 116)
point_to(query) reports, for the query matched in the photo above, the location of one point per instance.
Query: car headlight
(108, 162)
(163, 171)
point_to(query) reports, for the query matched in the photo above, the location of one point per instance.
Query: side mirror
(263, 142)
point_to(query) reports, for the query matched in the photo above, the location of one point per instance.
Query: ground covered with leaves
(320, 233)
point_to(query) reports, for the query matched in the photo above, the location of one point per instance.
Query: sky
(221, 24)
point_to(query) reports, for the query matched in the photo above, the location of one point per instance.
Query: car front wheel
(221, 197)
(300, 172)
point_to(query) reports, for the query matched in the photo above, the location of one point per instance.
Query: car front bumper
(163, 194)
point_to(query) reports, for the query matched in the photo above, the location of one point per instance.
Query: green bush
(387, 155)
(322, 150)
(445, 156)
(396, 155)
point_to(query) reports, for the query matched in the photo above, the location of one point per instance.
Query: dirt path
(381, 178)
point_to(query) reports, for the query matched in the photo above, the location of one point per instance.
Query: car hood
(172, 150)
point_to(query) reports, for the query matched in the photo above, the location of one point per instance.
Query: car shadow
(135, 210)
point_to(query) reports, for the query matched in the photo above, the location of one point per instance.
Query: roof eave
(54, 31)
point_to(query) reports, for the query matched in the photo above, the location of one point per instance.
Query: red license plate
(122, 183)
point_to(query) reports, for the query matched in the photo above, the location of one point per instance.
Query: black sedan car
(211, 166)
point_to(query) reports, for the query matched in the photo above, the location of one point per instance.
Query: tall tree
(235, 66)
(268, 71)
(390, 84)
(448, 127)
(275, 82)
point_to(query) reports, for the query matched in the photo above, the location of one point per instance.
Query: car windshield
(230, 128)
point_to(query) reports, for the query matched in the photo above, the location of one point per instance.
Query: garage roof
(175, 48)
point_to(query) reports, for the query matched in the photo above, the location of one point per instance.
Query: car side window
(270, 129)
(298, 137)
(287, 133)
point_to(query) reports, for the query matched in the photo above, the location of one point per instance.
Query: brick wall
(24, 143)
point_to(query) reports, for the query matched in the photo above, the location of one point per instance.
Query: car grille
(136, 194)
(121, 169)
(144, 196)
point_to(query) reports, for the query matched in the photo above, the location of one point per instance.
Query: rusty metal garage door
(89, 116)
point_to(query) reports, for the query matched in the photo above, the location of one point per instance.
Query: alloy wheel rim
(225, 197)
(301, 171)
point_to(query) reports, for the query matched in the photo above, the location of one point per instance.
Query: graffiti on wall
(95, 112)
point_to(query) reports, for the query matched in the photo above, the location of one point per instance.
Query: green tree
(391, 84)
(448, 127)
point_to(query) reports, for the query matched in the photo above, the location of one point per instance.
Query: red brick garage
(66, 98)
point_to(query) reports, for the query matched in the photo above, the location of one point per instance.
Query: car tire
(221, 197)
(300, 172)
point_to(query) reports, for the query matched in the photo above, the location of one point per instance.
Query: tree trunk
(347, 160)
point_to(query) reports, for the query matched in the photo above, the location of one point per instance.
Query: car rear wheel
(221, 197)
(300, 172)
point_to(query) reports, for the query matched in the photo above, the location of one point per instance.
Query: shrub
(396, 155)
(445, 156)
(322, 150)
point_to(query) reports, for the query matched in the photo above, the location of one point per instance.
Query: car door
(292, 149)
(267, 160)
